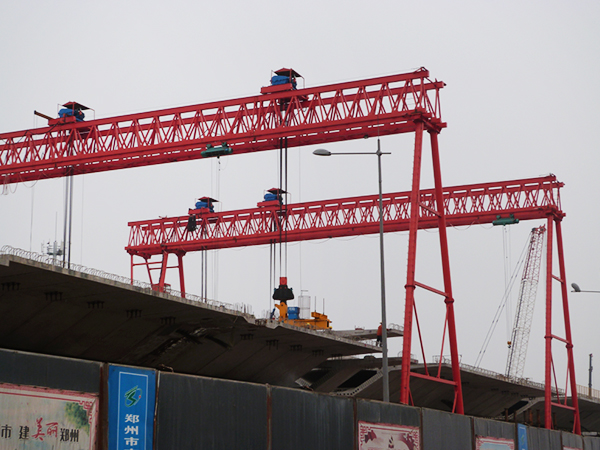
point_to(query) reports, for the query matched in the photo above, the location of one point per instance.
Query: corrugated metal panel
(305, 420)
(493, 428)
(379, 412)
(591, 443)
(446, 431)
(206, 413)
(572, 440)
(49, 371)
(542, 439)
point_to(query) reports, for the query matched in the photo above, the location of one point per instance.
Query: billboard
(40, 418)
(381, 436)
(131, 405)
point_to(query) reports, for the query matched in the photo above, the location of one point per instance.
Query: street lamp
(576, 288)
(384, 361)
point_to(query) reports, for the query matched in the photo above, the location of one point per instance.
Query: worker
(379, 334)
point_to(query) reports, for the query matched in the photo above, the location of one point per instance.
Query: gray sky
(521, 101)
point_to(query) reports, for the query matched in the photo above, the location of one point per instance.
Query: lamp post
(384, 361)
(576, 288)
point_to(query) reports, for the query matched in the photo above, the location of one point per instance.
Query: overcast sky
(521, 100)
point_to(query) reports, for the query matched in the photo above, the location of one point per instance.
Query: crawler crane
(527, 293)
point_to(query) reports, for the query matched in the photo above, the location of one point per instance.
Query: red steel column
(410, 271)
(131, 269)
(163, 272)
(565, 301)
(449, 300)
(548, 368)
(181, 280)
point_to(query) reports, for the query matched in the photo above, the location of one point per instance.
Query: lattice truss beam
(351, 110)
(533, 198)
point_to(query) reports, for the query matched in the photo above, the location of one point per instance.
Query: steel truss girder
(374, 107)
(532, 198)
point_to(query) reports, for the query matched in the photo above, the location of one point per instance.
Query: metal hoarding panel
(542, 439)
(305, 420)
(570, 440)
(493, 428)
(591, 443)
(46, 419)
(206, 413)
(446, 431)
(131, 404)
(380, 436)
(390, 413)
(49, 371)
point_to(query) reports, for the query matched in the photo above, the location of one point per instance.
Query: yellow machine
(283, 293)
(318, 322)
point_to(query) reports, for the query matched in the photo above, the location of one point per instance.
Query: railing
(53, 261)
(498, 376)
(586, 391)
(395, 326)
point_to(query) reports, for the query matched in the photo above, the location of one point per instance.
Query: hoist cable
(496, 318)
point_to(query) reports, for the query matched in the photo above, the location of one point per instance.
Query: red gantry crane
(374, 107)
(284, 115)
(525, 199)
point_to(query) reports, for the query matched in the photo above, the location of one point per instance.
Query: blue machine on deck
(293, 312)
(70, 112)
(283, 79)
(271, 197)
(77, 113)
(200, 205)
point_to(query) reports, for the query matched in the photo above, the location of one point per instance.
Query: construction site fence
(208, 413)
